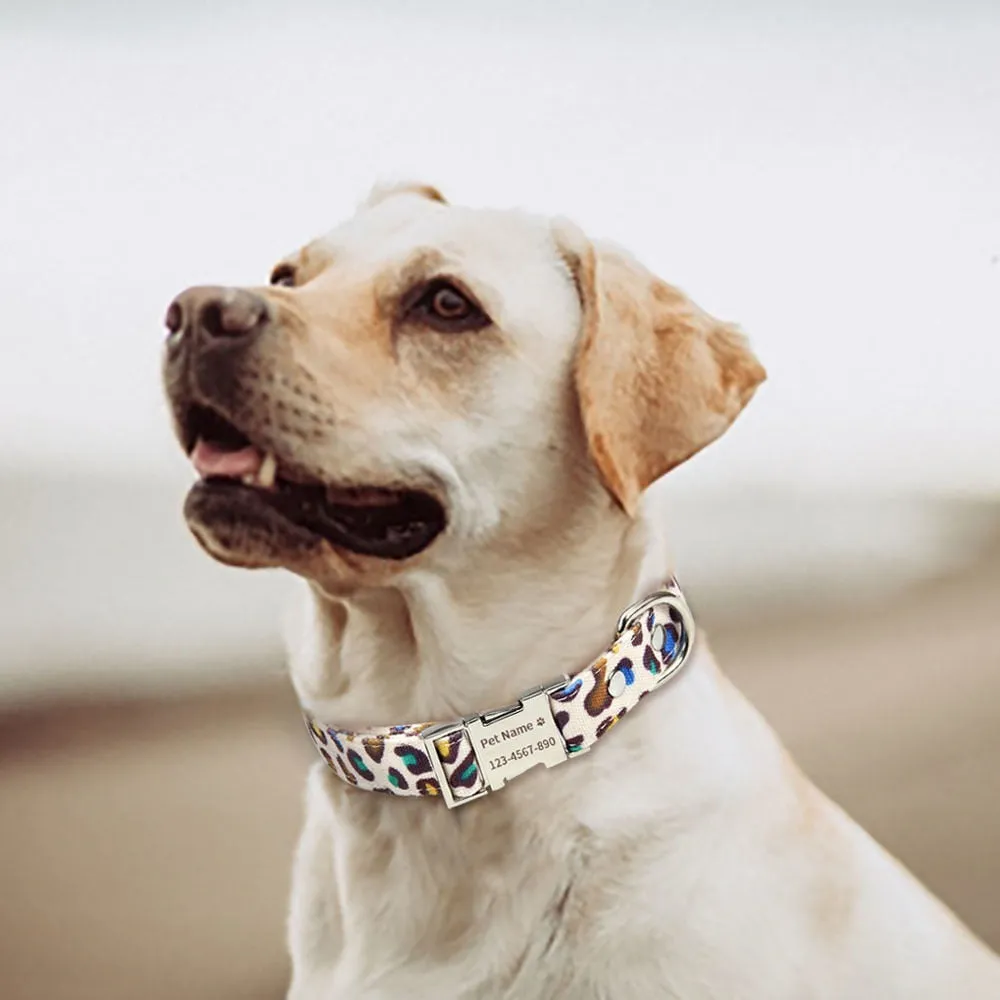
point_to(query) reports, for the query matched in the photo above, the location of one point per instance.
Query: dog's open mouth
(376, 521)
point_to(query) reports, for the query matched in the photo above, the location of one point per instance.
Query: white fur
(698, 863)
(685, 856)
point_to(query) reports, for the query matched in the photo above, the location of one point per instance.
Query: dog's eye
(443, 307)
(283, 274)
(449, 304)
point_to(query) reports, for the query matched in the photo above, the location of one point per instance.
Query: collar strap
(466, 759)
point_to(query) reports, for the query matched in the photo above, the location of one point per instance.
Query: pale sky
(832, 184)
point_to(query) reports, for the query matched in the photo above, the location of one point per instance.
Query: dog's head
(428, 380)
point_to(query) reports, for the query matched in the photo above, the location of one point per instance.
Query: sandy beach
(146, 844)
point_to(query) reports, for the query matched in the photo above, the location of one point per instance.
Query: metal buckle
(506, 741)
(674, 599)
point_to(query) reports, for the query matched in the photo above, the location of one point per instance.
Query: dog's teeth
(267, 472)
(249, 480)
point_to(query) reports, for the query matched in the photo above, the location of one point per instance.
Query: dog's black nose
(213, 313)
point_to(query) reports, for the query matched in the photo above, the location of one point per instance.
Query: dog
(446, 421)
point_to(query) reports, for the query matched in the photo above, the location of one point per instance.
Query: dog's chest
(397, 897)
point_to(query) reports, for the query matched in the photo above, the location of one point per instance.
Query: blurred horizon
(108, 595)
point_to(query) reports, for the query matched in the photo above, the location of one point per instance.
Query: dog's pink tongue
(212, 461)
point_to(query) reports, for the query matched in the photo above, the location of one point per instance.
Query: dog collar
(466, 759)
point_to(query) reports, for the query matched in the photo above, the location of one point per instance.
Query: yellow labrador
(444, 420)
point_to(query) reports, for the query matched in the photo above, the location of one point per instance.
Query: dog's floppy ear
(657, 377)
(381, 192)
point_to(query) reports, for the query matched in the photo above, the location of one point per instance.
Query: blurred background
(825, 176)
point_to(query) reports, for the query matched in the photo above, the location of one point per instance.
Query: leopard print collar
(464, 760)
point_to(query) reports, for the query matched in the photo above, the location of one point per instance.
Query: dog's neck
(438, 646)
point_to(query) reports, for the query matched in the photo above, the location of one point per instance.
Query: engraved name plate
(509, 742)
